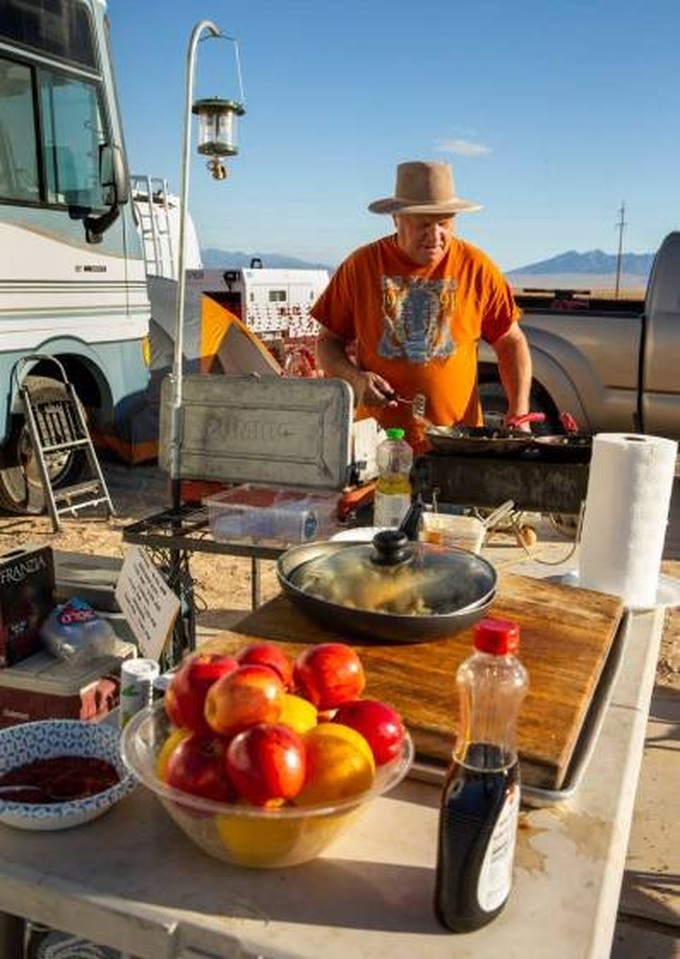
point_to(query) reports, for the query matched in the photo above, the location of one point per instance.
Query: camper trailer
(273, 305)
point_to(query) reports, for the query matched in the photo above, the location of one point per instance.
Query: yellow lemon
(340, 764)
(175, 737)
(298, 713)
(258, 841)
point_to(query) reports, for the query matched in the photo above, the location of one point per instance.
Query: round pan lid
(392, 575)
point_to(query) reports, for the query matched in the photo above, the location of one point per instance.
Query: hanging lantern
(217, 126)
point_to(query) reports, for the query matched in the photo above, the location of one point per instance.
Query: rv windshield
(60, 29)
(52, 124)
(70, 134)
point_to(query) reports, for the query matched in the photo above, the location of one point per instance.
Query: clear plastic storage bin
(257, 514)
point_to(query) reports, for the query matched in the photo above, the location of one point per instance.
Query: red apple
(268, 654)
(266, 763)
(184, 698)
(379, 723)
(196, 765)
(249, 694)
(329, 674)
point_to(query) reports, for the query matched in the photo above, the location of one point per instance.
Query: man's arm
(514, 367)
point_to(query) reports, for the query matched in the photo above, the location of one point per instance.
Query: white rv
(72, 270)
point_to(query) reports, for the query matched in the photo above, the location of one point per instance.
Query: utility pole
(621, 224)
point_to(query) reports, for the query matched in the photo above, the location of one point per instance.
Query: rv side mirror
(113, 175)
(115, 190)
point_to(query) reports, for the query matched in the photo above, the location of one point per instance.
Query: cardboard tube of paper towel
(626, 514)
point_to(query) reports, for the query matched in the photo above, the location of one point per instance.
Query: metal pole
(176, 418)
(620, 225)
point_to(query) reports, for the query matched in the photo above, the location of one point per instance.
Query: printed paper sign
(149, 605)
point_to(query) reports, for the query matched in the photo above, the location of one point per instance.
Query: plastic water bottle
(480, 796)
(394, 458)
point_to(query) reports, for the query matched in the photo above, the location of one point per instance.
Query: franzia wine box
(26, 599)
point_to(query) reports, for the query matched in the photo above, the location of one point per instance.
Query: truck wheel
(21, 489)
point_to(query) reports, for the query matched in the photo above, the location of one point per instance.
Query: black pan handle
(410, 524)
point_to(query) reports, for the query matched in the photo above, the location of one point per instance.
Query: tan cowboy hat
(423, 187)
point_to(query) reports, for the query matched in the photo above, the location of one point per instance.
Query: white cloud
(463, 148)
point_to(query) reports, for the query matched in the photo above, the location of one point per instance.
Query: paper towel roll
(626, 513)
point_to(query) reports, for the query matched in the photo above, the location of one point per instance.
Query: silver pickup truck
(614, 364)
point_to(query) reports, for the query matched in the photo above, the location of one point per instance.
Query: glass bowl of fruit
(263, 760)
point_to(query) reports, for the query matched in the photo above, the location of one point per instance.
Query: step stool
(59, 426)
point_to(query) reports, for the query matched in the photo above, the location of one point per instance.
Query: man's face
(424, 238)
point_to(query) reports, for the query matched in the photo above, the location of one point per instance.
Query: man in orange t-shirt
(404, 314)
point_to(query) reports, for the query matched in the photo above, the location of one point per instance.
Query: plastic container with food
(447, 529)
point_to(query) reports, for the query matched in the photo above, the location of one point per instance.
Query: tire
(21, 489)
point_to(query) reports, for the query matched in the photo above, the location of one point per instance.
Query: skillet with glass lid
(391, 589)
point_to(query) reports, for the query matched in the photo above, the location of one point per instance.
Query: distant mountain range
(593, 271)
(594, 268)
(591, 262)
(236, 260)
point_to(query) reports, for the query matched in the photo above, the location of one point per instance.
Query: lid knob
(390, 548)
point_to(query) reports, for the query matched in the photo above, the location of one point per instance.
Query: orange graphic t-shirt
(419, 326)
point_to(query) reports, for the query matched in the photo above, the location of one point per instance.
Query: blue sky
(551, 113)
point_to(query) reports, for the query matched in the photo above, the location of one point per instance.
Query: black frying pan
(478, 440)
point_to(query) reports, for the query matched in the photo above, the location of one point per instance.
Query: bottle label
(495, 876)
(389, 509)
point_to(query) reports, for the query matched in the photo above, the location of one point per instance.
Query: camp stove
(532, 481)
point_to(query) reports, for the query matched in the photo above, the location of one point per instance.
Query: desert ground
(222, 583)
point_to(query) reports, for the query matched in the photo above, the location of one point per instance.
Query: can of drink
(136, 684)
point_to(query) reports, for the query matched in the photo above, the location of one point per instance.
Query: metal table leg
(255, 591)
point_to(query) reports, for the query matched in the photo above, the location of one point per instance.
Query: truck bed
(577, 301)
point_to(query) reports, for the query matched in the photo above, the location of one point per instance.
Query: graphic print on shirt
(416, 318)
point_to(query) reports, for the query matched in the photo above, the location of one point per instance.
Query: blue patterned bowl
(48, 738)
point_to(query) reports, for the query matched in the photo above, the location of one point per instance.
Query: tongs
(569, 424)
(514, 421)
(497, 515)
(418, 403)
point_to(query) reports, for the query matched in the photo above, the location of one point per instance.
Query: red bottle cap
(499, 637)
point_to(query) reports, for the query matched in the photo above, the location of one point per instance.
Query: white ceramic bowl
(45, 739)
(356, 534)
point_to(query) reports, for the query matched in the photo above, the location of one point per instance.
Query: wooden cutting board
(566, 636)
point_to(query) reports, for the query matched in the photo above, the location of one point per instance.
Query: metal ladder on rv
(57, 426)
(150, 198)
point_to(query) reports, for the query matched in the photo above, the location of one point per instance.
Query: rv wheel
(21, 489)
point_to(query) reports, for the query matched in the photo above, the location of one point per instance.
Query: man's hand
(372, 390)
(369, 389)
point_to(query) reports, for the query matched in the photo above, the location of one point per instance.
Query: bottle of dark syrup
(480, 797)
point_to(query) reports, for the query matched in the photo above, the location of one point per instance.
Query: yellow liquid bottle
(393, 489)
